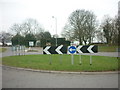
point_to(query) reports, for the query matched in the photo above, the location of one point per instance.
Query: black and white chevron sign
(87, 49)
(64, 50)
(55, 49)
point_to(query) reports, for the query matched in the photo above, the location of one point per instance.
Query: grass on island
(32, 50)
(3, 49)
(62, 62)
(105, 48)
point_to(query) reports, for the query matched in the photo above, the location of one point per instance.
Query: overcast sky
(16, 11)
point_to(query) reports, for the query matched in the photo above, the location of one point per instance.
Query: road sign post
(23, 50)
(80, 58)
(87, 49)
(13, 50)
(72, 51)
(55, 49)
(18, 50)
(31, 44)
(50, 59)
(90, 59)
(58, 50)
(72, 59)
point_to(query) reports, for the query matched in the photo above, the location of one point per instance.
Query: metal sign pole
(90, 59)
(14, 47)
(16, 50)
(72, 50)
(23, 50)
(80, 59)
(50, 59)
(12, 51)
(19, 50)
(72, 59)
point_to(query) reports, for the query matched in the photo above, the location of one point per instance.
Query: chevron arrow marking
(46, 50)
(58, 49)
(89, 48)
(78, 49)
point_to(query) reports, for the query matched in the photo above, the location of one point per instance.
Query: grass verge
(105, 48)
(62, 62)
(32, 51)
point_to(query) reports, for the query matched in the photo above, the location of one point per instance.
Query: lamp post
(55, 28)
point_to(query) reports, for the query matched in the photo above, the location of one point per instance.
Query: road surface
(13, 78)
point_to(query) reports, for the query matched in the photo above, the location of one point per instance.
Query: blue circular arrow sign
(72, 49)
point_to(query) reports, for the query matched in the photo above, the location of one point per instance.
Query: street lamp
(56, 28)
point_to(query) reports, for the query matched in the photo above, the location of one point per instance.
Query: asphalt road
(12, 78)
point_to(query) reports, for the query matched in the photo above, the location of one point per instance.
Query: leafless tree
(5, 37)
(16, 28)
(83, 25)
(29, 26)
(67, 32)
(109, 26)
(99, 36)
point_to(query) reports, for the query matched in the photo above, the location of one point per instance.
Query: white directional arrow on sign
(78, 49)
(46, 50)
(58, 49)
(89, 48)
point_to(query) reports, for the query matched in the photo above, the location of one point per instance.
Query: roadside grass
(105, 48)
(32, 51)
(42, 62)
(3, 49)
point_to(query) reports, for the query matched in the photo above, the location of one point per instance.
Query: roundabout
(62, 63)
(13, 77)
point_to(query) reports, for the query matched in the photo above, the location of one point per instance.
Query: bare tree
(29, 26)
(83, 25)
(5, 37)
(16, 28)
(43, 35)
(67, 32)
(115, 28)
(109, 26)
(118, 28)
(99, 35)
